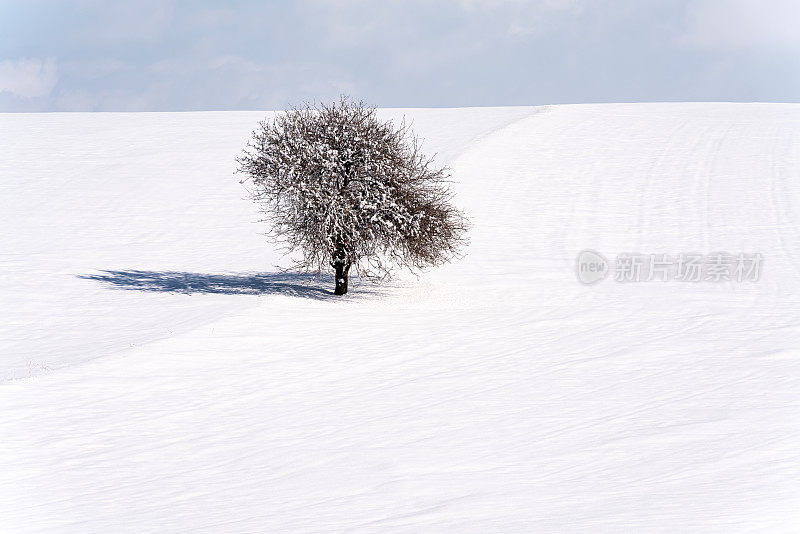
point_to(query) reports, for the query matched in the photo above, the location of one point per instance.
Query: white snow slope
(156, 375)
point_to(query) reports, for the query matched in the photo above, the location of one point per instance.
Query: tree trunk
(342, 269)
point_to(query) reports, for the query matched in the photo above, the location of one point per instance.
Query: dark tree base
(342, 271)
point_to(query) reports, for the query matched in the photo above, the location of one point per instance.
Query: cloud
(28, 78)
(739, 24)
(523, 17)
(115, 23)
(536, 5)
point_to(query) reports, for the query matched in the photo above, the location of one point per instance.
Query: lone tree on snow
(347, 190)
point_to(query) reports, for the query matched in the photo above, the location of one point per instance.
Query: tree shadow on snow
(291, 284)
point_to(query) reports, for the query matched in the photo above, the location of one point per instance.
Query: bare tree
(348, 190)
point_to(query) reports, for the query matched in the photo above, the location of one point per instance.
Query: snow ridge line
(535, 110)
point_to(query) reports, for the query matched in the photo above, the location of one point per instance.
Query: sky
(179, 55)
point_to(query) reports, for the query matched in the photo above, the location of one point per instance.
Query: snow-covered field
(158, 375)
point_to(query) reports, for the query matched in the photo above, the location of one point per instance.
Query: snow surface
(159, 375)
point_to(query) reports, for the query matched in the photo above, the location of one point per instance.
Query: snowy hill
(157, 374)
